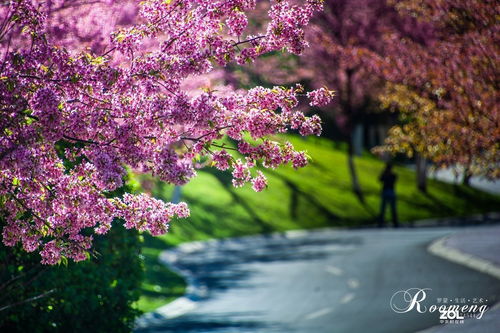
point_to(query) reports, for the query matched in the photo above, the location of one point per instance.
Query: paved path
(479, 249)
(321, 281)
(447, 175)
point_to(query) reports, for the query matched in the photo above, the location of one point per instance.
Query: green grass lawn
(316, 196)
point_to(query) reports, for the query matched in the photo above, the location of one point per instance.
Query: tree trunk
(467, 177)
(372, 140)
(357, 139)
(382, 130)
(421, 163)
(356, 187)
(176, 196)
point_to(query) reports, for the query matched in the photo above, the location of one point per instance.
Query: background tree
(454, 79)
(345, 41)
(347, 48)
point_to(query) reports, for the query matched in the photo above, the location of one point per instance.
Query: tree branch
(31, 299)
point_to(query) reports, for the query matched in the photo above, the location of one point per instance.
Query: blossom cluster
(78, 107)
(320, 97)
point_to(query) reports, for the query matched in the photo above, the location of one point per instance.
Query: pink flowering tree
(86, 94)
(447, 88)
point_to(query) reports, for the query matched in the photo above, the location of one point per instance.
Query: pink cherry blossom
(259, 183)
(320, 97)
(89, 90)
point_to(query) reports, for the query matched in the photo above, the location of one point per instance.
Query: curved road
(320, 281)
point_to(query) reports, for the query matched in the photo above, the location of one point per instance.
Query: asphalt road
(322, 281)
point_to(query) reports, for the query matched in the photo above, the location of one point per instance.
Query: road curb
(183, 304)
(476, 219)
(440, 249)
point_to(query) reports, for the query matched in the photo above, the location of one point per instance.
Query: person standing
(388, 179)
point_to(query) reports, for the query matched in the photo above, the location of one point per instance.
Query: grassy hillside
(316, 196)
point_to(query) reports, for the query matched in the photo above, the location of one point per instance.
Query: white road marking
(334, 270)
(291, 234)
(347, 298)
(353, 283)
(318, 313)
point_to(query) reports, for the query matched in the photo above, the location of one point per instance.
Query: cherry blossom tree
(80, 106)
(448, 88)
(347, 49)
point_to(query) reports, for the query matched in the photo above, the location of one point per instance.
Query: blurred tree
(448, 88)
(346, 53)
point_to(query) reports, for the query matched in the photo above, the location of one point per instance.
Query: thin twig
(31, 299)
(249, 40)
